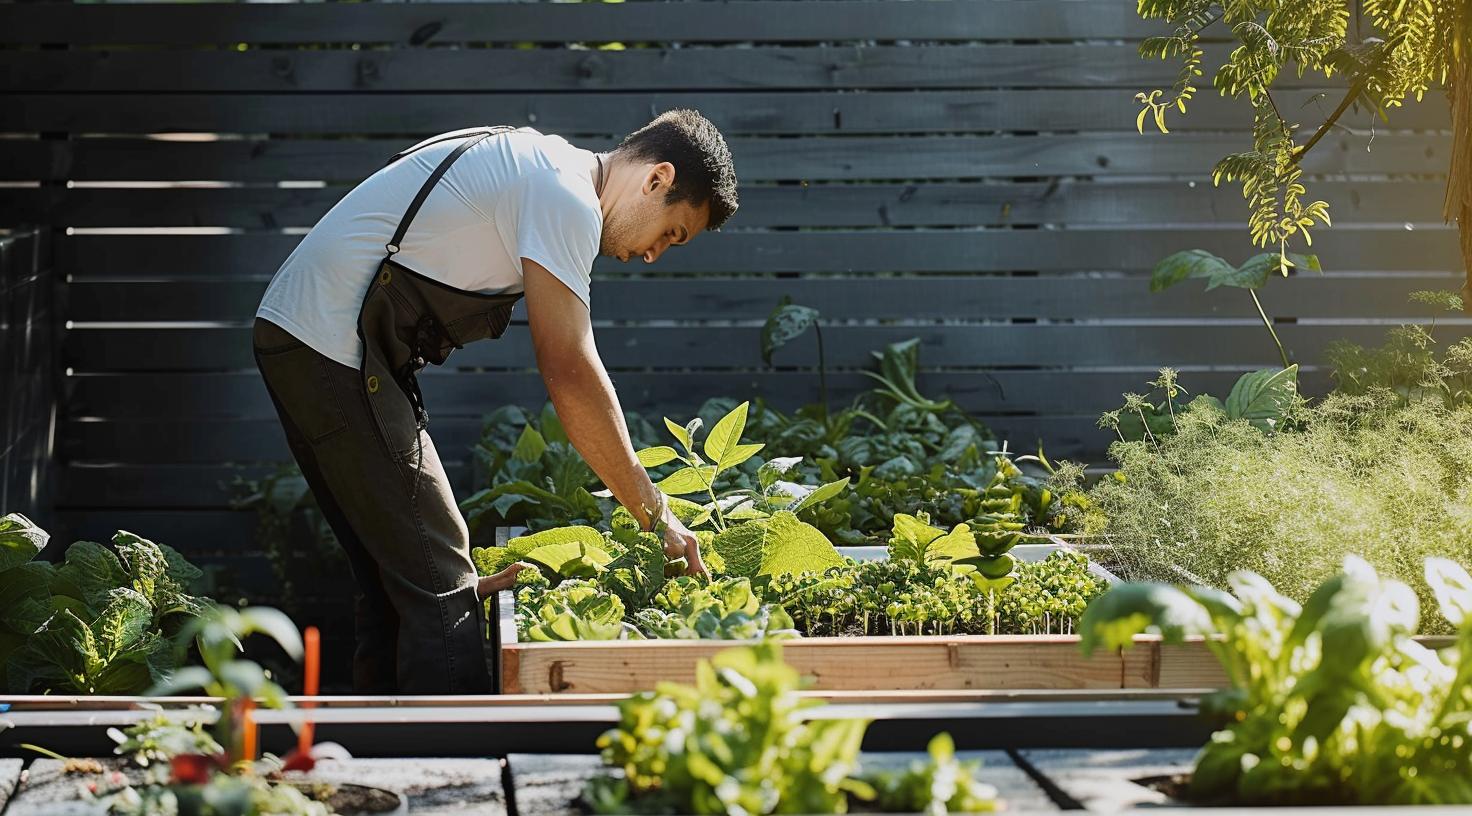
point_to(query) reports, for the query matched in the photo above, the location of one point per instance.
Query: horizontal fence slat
(162, 256)
(427, 24)
(757, 159)
(218, 349)
(443, 70)
(246, 442)
(166, 487)
(827, 205)
(571, 114)
(204, 397)
(839, 298)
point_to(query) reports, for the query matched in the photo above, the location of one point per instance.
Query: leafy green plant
(723, 449)
(944, 784)
(1267, 399)
(1406, 48)
(189, 771)
(1407, 364)
(96, 624)
(1251, 275)
(726, 609)
(572, 610)
(536, 478)
(742, 741)
(1331, 701)
(1371, 473)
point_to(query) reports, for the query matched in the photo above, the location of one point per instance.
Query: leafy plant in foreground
(1331, 701)
(738, 741)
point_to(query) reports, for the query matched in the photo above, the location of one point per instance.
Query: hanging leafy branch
(1412, 45)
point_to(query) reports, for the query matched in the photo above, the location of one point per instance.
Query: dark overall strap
(476, 134)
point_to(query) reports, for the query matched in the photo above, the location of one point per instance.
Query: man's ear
(660, 175)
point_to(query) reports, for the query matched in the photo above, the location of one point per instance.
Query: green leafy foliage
(904, 596)
(736, 741)
(1406, 48)
(96, 624)
(1381, 473)
(727, 609)
(573, 610)
(532, 475)
(775, 546)
(741, 740)
(942, 785)
(1267, 399)
(1408, 365)
(1331, 701)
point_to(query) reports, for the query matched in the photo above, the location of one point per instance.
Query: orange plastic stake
(248, 733)
(313, 642)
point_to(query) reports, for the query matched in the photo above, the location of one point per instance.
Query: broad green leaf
(145, 562)
(1192, 263)
(62, 650)
(680, 434)
(523, 545)
(24, 596)
(1126, 610)
(654, 457)
(1263, 397)
(820, 495)
(774, 469)
(122, 624)
(20, 540)
(688, 480)
(179, 569)
(786, 323)
(89, 573)
(740, 454)
(1250, 275)
(793, 546)
(740, 546)
(529, 446)
(726, 434)
(571, 560)
(911, 537)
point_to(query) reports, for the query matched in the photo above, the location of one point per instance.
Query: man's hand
(505, 579)
(679, 542)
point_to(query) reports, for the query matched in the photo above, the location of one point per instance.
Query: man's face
(646, 226)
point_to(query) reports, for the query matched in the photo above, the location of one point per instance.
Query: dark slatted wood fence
(28, 338)
(963, 172)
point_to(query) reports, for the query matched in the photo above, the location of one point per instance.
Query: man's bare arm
(562, 336)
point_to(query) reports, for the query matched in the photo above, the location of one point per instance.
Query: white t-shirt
(512, 195)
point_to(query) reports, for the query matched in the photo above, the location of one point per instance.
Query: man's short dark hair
(703, 170)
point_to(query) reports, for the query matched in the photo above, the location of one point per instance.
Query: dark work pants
(419, 627)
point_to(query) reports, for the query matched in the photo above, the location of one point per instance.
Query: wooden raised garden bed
(952, 663)
(867, 664)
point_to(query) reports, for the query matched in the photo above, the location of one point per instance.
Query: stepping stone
(9, 778)
(1014, 786)
(548, 784)
(47, 788)
(432, 786)
(1103, 781)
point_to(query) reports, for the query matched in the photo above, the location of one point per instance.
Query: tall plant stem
(1264, 315)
